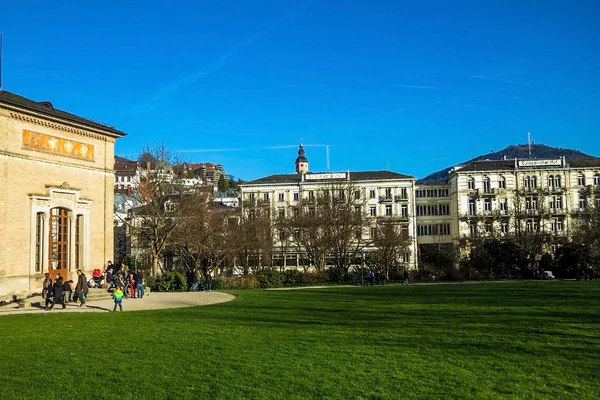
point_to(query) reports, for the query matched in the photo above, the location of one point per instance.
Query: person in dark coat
(47, 290)
(209, 282)
(81, 289)
(67, 291)
(406, 276)
(110, 280)
(57, 290)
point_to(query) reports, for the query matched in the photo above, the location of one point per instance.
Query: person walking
(57, 291)
(139, 280)
(81, 290)
(46, 290)
(405, 277)
(118, 296)
(67, 291)
(371, 278)
(209, 282)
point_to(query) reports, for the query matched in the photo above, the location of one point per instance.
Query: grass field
(504, 340)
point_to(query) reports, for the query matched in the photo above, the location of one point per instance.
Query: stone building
(56, 206)
(492, 199)
(381, 196)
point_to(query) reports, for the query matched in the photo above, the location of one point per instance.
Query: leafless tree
(205, 236)
(390, 240)
(254, 234)
(155, 220)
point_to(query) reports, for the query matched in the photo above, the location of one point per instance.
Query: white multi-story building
(493, 198)
(380, 196)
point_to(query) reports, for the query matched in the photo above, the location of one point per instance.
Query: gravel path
(154, 301)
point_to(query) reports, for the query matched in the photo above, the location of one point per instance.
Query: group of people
(122, 283)
(61, 292)
(378, 278)
(129, 282)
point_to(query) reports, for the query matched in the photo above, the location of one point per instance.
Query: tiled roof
(584, 162)
(502, 165)
(354, 176)
(46, 108)
(509, 165)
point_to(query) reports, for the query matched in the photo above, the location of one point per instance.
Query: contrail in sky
(220, 62)
(435, 103)
(417, 87)
(255, 148)
(492, 78)
(399, 110)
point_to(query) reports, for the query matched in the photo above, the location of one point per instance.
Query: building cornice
(23, 114)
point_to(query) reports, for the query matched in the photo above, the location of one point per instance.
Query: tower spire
(301, 160)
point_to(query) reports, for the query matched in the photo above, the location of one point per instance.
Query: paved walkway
(153, 301)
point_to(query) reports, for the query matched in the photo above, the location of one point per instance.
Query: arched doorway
(58, 250)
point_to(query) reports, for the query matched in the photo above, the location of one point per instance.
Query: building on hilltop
(58, 186)
(127, 176)
(379, 198)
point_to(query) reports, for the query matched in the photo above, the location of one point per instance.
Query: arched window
(502, 182)
(557, 181)
(487, 186)
(471, 183)
(534, 181)
(550, 181)
(581, 180)
(526, 182)
(58, 251)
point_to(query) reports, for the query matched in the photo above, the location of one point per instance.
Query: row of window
(341, 194)
(529, 182)
(432, 193)
(389, 211)
(531, 225)
(433, 230)
(531, 203)
(433, 209)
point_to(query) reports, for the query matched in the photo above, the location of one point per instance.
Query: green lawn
(505, 340)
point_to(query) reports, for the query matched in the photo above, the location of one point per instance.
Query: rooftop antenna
(529, 142)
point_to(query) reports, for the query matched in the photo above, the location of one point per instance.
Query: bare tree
(255, 237)
(329, 224)
(390, 240)
(156, 219)
(205, 238)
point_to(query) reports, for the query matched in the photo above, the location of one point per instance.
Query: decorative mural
(57, 145)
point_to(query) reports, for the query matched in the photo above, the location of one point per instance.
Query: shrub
(336, 274)
(315, 277)
(292, 277)
(269, 278)
(249, 282)
(172, 282)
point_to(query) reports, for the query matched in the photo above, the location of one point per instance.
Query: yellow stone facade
(56, 202)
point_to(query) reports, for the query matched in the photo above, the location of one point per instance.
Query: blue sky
(409, 86)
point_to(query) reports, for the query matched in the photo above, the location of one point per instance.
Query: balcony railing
(386, 199)
(399, 198)
(488, 192)
(393, 218)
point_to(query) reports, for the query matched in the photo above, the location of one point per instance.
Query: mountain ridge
(538, 151)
